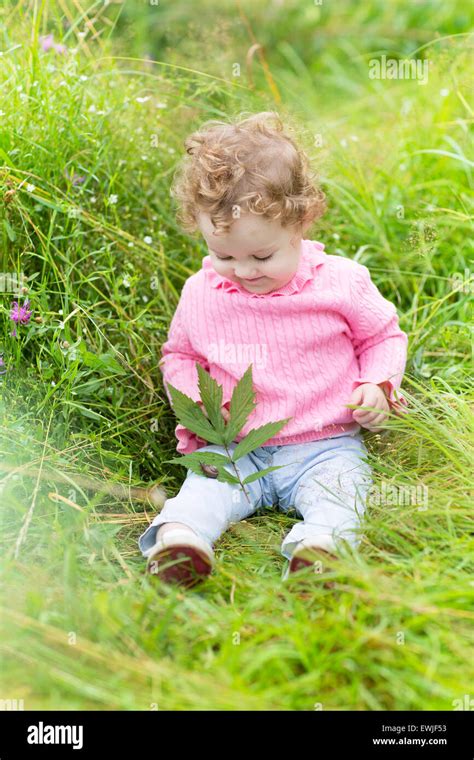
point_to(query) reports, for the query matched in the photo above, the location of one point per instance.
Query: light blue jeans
(326, 481)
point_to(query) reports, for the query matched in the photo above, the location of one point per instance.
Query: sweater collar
(312, 256)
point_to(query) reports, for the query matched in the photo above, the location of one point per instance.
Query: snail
(209, 470)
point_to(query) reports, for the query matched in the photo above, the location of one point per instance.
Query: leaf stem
(231, 461)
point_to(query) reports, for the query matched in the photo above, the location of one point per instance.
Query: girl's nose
(245, 275)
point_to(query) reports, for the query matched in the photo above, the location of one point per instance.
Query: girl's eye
(227, 258)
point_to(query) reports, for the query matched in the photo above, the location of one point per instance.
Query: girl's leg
(331, 496)
(206, 505)
(171, 526)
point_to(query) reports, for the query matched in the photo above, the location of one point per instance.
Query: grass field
(89, 137)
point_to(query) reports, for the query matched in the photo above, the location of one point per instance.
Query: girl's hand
(225, 412)
(369, 395)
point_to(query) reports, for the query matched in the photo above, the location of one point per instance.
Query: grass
(83, 627)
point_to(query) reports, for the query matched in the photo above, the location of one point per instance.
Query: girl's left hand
(369, 395)
(225, 412)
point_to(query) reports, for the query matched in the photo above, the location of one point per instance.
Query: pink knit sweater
(310, 343)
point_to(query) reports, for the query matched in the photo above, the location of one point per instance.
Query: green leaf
(85, 411)
(108, 361)
(61, 207)
(257, 437)
(242, 404)
(211, 396)
(227, 477)
(212, 428)
(10, 232)
(208, 457)
(261, 473)
(192, 417)
(193, 462)
(100, 363)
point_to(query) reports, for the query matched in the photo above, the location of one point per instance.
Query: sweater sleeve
(178, 362)
(178, 367)
(379, 343)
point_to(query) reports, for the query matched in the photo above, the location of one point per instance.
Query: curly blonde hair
(249, 165)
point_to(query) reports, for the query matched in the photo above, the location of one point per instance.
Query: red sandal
(306, 555)
(181, 557)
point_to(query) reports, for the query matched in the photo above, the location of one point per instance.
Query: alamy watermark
(462, 282)
(12, 704)
(392, 494)
(464, 703)
(12, 282)
(394, 68)
(53, 734)
(242, 353)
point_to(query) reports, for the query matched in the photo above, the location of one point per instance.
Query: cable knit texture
(310, 343)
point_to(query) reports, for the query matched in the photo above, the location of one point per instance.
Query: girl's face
(258, 254)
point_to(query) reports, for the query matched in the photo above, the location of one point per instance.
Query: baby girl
(318, 333)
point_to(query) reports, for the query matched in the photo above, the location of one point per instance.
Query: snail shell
(209, 470)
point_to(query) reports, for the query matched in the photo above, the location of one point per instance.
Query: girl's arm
(178, 362)
(379, 343)
(178, 367)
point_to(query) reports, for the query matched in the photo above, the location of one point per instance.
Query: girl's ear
(300, 231)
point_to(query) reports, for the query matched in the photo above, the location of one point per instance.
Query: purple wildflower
(74, 179)
(20, 314)
(47, 42)
(2, 365)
